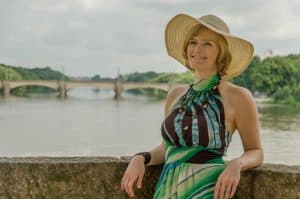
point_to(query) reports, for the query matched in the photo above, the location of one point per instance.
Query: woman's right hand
(134, 172)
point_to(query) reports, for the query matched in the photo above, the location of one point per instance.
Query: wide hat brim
(179, 27)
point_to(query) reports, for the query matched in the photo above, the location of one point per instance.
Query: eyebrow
(204, 40)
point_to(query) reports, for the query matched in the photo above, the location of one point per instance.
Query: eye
(192, 42)
(206, 43)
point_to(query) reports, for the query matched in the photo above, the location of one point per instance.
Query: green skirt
(182, 180)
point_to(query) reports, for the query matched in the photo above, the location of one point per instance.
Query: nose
(198, 48)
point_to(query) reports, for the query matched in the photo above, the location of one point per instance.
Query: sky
(89, 37)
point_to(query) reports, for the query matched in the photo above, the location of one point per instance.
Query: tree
(249, 76)
(96, 78)
(273, 73)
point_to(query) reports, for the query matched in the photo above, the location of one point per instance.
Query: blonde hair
(224, 57)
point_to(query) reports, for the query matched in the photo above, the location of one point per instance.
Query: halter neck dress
(196, 139)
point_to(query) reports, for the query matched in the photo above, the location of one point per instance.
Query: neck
(206, 84)
(202, 75)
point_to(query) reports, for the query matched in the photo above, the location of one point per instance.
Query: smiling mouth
(198, 58)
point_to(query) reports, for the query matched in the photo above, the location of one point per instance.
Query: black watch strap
(147, 156)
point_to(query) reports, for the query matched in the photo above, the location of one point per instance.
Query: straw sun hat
(179, 27)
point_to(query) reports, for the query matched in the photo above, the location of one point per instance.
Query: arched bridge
(63, 86)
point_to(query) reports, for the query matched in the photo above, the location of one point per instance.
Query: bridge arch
(49, 84)
(44, 86)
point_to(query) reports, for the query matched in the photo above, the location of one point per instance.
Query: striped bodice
(198, 119)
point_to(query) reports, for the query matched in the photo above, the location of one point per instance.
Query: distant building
(269, 53)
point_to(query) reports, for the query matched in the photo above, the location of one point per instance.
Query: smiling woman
(213, 50)
(201, 119)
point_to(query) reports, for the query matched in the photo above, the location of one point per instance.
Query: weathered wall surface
(99, 177)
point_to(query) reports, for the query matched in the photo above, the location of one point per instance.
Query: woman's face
(203, 51)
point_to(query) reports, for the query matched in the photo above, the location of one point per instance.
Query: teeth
(198, 57)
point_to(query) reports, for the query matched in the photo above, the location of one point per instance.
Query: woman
(201, 119)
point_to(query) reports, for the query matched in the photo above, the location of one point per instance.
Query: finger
(233, 189)
(228, 186)
(129, 187)
(122, 183)
(228, 190)
(126, 187)
(222, 191)
(140, 180)
(217, 190)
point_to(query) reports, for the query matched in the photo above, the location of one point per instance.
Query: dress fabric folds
(196, 139)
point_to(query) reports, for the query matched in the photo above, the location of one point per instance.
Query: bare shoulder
(245, 115)
(240, 107)
(235, 94)
(172, 96)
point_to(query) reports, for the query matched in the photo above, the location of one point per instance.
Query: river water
(91, 123)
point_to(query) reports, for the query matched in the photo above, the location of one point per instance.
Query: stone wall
(99, 177)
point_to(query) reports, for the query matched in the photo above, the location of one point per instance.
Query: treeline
(8, 72)
(277, 77)
(185, 77)
(21, 73)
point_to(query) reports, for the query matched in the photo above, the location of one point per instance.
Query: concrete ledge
(99, 177)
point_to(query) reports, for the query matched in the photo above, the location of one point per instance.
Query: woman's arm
(247, 123)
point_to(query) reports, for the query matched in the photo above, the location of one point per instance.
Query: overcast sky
(87, 37)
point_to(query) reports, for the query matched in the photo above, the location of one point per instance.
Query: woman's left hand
(228, 180)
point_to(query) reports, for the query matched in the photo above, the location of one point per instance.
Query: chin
(198, 67)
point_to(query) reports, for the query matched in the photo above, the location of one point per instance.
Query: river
(91, 123)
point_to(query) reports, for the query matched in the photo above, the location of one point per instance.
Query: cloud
(96, 36)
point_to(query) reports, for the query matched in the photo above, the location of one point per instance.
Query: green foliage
(296, 93)
(277, 77)
(186, 77)
(48, 74)
(282, 93)
(138, 77)
(165, 78)
(96, 78)
(8, 73)
(18, 73)
(274, 73)
(15, 73)
(247, 78)
(295, 60)
(288, 95)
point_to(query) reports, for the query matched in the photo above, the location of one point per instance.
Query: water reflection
(279, 117)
